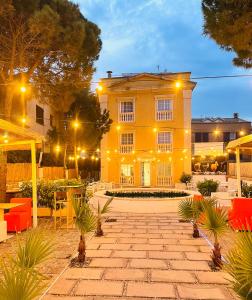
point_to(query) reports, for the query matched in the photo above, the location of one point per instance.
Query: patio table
(3, 224)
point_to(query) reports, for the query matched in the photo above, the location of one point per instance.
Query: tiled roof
(219, 120)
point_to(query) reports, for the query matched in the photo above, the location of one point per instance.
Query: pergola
(243, 143)
(15, 137)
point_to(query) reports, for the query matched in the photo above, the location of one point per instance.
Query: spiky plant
(20, 279)
(239, 265)
(100, 212)
(189, 210)
(36, 249)
(214, 221)
(85, 221)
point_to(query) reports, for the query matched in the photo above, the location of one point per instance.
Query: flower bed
(145, 194)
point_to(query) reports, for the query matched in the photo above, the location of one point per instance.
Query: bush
(146, 194)
(185, 178)
(207, 187)
(246, 190)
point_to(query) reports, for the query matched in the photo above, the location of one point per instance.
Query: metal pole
(34, 184)
(238, 171)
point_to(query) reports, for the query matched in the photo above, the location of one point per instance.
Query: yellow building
(149, 143)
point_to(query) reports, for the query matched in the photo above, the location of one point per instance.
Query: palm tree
(214, 221)
(239, 265)
(100, 212)
(20, 278)
(191, 209)
(85, 221)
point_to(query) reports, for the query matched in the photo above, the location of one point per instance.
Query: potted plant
(100, 212)
(186, 178)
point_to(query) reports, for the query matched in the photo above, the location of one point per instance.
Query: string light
(216, 132)
(57, 148)
(76, 124)
(23, 89)
(118, 127)
(99, 87)
(242, 133)
(154, 129)
(178, 84)
(23, 120)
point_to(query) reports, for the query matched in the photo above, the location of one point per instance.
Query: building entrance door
(145, 174)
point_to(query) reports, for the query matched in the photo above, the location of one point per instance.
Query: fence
(246, 170)
(22, 172)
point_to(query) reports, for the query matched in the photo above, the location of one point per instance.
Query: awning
(14, 137)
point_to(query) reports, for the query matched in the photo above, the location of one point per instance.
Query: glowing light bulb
(242, 133)
(154, 129)
(23, 89)
(178, 84)
(118, 127)
(76, 124)
(99, 87)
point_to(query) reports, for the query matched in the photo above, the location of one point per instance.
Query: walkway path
(144, 256)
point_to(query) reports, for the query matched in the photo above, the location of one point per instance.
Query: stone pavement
(144, 256)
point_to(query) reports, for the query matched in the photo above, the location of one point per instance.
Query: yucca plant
(100, 212)
(214, 221)
(239, 265)
(86, 222)
(20, 278)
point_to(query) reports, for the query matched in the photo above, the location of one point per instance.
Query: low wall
(246, 170)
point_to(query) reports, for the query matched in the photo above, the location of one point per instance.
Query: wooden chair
(60, 201)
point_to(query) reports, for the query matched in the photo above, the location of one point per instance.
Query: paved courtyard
(144, 256)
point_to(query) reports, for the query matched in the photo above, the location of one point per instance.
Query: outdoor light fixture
(99, 87)
(178, 84)
(23, 120)
(242, 132)
(186, 131)
(57, 148)
(216, 132)
(118, 127)
(23, 89)
(76, 124)
(155, 129)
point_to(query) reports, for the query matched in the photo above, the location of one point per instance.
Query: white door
(146, 174)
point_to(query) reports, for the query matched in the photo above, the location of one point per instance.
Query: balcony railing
(164, 147)
(127, 180)
(164, 181)
(164, 115)
(127, 117)
(124, 149)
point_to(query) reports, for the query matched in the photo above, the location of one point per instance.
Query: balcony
(127, 180)
(164, 147)
(126, 149)
(164, 115)
(127, 117)
(164, 181)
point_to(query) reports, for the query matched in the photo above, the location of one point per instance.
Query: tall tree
(48, 44)
(229, 23)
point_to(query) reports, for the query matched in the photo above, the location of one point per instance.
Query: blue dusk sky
(139, 35)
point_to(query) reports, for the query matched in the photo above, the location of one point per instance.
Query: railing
(164, 147)
(127, 117)
(127, 180)
(164, 181)
(164, 115)
(126, 149)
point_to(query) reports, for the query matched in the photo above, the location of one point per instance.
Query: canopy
(243, 143)
(14, 137)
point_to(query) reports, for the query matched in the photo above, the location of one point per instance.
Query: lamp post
(76, 126)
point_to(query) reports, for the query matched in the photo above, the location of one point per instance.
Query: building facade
(149, 143)
(211, 135)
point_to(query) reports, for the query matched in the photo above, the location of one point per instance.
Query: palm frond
(189, 210)
(239, 265)
(85, 218)
(214, 220)
(106, 207)
(19, 283)
(35, 249)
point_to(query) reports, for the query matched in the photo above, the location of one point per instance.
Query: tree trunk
(99, 231)
(3, 175)
(82, 249)
(195, 231)
(216, 256)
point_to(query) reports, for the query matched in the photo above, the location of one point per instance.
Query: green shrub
(185, 178)
(207, 187)
(246, 190)
(146, 194)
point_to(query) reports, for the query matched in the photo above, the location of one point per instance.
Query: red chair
(19, 218)
(198, 197)
(240, 215)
